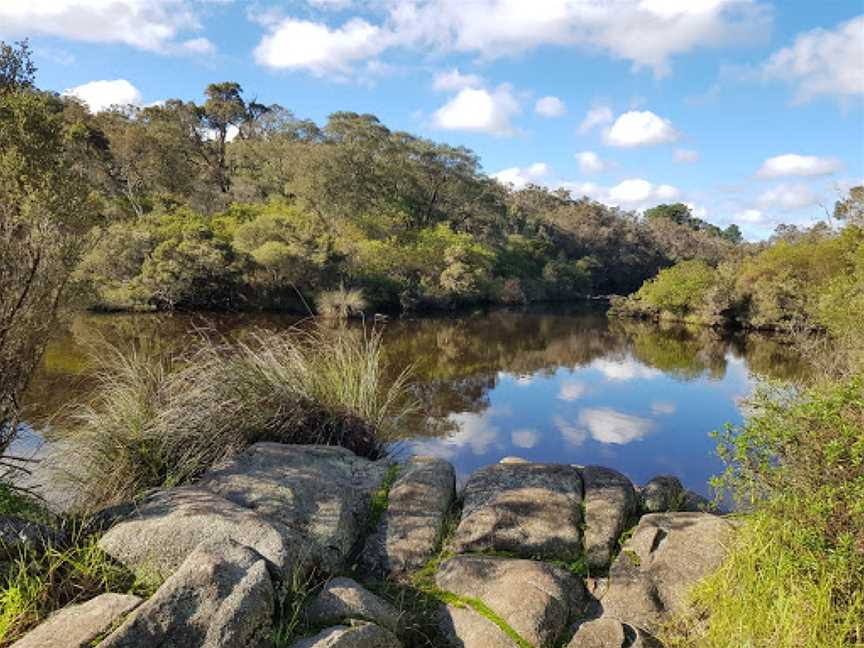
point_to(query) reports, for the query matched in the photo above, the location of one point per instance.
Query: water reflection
(564, 386)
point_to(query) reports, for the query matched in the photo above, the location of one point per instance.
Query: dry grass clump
(154, 422)
(341, 303)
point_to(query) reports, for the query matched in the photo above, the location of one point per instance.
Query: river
(548, 384)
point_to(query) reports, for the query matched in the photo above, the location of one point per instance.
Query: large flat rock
(529, 509)
(77, 626)
(221, 597)
(322, 492)
(462, 627)
(667, 554)
(536, 599)
(161, 533)
(611, 633)
(610, 504)
(408, 533)
(343, 599)
(361, 635)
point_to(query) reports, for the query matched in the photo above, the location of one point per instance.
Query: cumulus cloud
(637, 191)
(525, 438)
(664, 408)
(479, 110)
(823, 62)
(519, 177)
(597, 116)
(792, 164)
(624, 369)
(550, 107)
(590, 162)
(640, 128)
(101, 95)
(198, 46)
(787, 197)
(749, 216)
(607, 425)
(146, 24)
(685, 156)
(572, 434)
(453, 80)
(571, 390)
(314, 46)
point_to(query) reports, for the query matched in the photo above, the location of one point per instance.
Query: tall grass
(341, 303)
(161, 422)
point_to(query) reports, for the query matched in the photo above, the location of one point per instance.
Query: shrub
(795, 573)
(154, 423)
(341, 303)
(678, 290)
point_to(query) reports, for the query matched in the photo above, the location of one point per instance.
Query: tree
(224, 109)
(46, 209)
(851, 208)
(733, 234)
(677, 213)
(17, 70)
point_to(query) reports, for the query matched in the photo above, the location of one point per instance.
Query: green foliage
(795, 573)
(679, 289)
(35, 585)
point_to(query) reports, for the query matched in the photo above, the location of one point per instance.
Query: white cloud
(550, 107)
(146, 24)
(525, 438)
(198, 46)
(640, 128)
(331, 4)
(571, 390)
(520, 177)
(473, 431)
(792, 164)
(823, 62)
(453, 80)
(646, 32)
(748, 216)
(572, 434)
(636, 191)
(314, 46)
(101, 95)
(590, 162)
(479, 110)
(665, 408)
(597, 116)
(787, 197)
(685, 156)
(607, 425)
(624, 369)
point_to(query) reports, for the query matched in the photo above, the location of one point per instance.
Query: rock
(17, 535)
(534, 598)
(661, 494)
(611, 633)
(361, 635)
(77, 626)
(464, 628)
(323, 492)
(610, 503)
(531, 510)
(407, 535)
(221, 597)
(513, 460)
(694, 503)
(343, 599)
(167, 527)
(666, 555)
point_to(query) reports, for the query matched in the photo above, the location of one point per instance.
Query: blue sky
(750, 111)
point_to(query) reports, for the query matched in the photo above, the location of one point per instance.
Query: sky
(751, 112)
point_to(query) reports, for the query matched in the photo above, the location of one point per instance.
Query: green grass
(381, 497)
(35, 585)
(158, 422)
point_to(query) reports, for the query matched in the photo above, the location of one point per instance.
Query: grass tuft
(159, 422)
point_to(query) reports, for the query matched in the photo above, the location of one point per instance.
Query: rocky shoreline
(533, 555)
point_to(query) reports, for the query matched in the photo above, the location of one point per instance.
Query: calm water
(562, 385)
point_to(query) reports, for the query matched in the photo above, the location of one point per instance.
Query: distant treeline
(234, 204)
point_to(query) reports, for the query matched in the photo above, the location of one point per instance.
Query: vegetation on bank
(795, 574)
(159, 422)
(812, 279)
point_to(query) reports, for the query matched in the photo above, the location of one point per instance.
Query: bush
(341, 303)
(795, 574)
(158, 423)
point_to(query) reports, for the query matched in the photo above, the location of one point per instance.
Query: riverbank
(258, 524)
